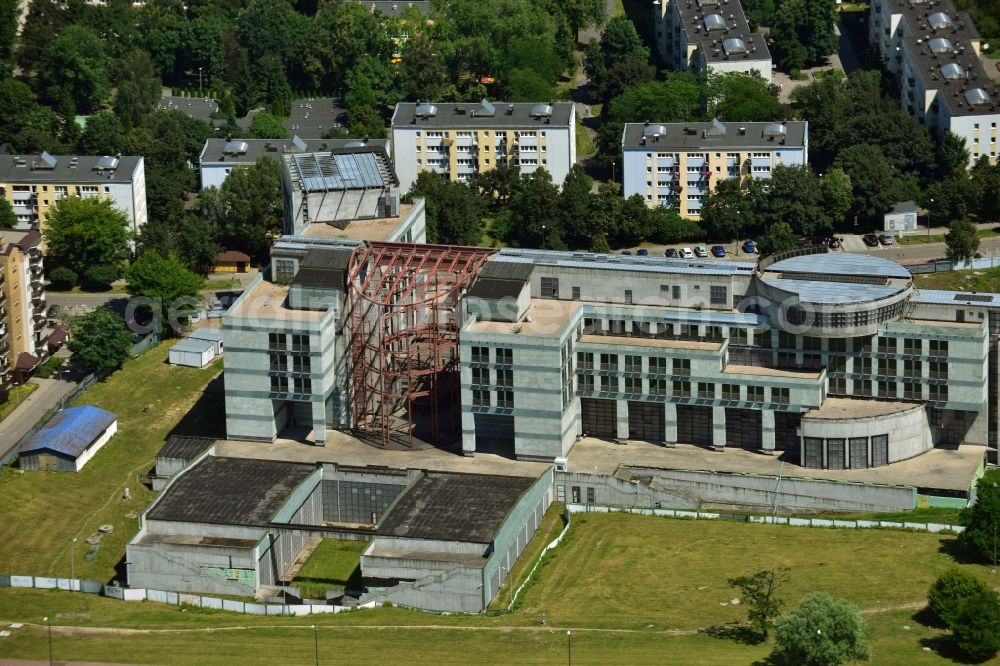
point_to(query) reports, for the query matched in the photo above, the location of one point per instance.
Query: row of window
(300, 364)
(300, 385)
(504, 399)
(502, 377)
(279, 342)
(866, 388)
(845, 453)
(502, 355)
(680, 389)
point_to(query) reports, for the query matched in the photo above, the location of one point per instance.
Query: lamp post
(72, 565)
(48, 625)
(200, 93)
(929, 219)
(613, 164)
(737, 232)
(316, 644)
(569, 647)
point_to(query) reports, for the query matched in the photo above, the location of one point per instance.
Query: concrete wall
(614, 491)
(909, 432)
(92, 450)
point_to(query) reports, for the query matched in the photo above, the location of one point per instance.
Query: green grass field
(986, 280)
(15, 398)
(44, 511)
(923, 239)
(334, 564)
(632, 589)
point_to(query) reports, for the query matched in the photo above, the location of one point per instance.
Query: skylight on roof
(941, 45)
(734, 45)
(715, 22)
(953, 71)
(977, 96)
(939, 20)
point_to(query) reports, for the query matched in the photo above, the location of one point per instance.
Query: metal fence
(769, 520)
(172, 598)
(945, 265)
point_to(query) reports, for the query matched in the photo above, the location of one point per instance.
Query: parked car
(718, 251)
(628, 252)
(642, 252)
(671, 253)
(700, 251)
(686, 253)
(835, 243)
(886, 239)
(871, 240)
(750, 247)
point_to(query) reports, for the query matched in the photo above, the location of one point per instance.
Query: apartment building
(24, 341)
(220, 156)
(460, 140)
(33, 184)
(934, 53)
(677, 164)
(709, 36)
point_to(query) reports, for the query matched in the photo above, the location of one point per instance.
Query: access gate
(599, 418)
(646, 421)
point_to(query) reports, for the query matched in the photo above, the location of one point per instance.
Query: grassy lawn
(222, 284)
(632, 589)
(15, 398)
(923, 239)
(44, 511)
(986, 279)
(584, 144)
(334, 564)
(552, 524)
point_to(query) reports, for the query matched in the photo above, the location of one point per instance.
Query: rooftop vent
(299, 144)
(425, 111)
(715, 22)
(941, 45)
(977, 97)
(486, 110)
(939, 20)
(106, 162)
(235, 148)
(46, 161)
(734, 45)
(953, 71)
(717, 128)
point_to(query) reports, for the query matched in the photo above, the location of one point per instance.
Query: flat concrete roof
(470, 115)
(83, 170)
(846, 408)
(548, 317)
(195, 540)
(267, 300)
(733, 369)
(184, 448)
(465, 559)
(374, 229)
(944, 469)
(444, 506)
(687, 137)
(664, 343)
(230, 491)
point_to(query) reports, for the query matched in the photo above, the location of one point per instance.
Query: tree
(7, 217)
(836, 195)
(982, 519)
(779, 238)
(574, 204)
(247, 210)
(422, 74)
(961, 241)
(721, 212)
(793, 195)
(453, 210)
(100, 343)
(760, 593)
(9, 10)
(802, 32)
(100, 276)
(87, 232)
(583, 14)
(623, 75)
(267, 126)
(526, 85)
(138, 87)
(166, 281)
(190, 236)
(63, 277)
(949, 590)
(73, 72)
(739, 97)
(535, 219)
(821, 632)
(952, 155)
(876, 189)
(619, 41)
(976, 625)
(103, 135)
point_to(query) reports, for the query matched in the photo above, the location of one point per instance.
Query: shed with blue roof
(69, 440)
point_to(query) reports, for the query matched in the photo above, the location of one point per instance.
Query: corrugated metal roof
(816, 291)
(337, 259)
(841, 263)
(71, 431)
(944, 297)
(322, 172)
(184, 448)
(493, 289)
(498, 268)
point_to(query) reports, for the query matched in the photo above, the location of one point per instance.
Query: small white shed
(213, 335)
(902, 218)
(192, 352)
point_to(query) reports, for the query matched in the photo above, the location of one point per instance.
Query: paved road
(26, 415)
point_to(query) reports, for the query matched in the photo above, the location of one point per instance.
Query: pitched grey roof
(841, 264)
(471, 115)
(710, 136)
(68, 169)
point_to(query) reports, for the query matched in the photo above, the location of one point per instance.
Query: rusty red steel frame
(403, 306)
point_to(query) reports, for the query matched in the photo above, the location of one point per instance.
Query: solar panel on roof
(975, 298)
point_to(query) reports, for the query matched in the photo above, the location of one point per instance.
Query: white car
(686, 253)
(701, 251)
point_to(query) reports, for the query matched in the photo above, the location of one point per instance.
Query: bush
(47, 369)
(949, 590)
(976, 625)
(100, 276)
(63, 277)
(821, 632)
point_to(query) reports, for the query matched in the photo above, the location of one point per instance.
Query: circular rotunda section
(831, 294)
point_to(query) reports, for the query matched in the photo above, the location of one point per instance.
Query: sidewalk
(26, 415)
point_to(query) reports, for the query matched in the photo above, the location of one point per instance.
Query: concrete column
(767, 432)
(622, 433)
(670, 425)
(319, 422)
(468, 434)
(718, 428)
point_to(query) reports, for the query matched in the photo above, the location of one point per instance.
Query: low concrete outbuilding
(69, 440)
